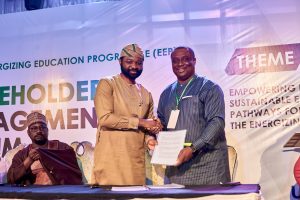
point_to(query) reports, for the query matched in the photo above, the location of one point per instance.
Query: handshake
(153, 125)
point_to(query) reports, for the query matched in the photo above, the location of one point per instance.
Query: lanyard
(178, 99)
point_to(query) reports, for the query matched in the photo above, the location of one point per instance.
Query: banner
(52, 59)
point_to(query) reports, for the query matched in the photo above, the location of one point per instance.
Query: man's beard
(40, 141)
(131, 76)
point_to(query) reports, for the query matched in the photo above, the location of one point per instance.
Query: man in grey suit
(195, 104)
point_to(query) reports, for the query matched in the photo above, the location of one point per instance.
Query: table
(86, 192)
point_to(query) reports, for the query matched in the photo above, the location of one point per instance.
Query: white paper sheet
(166, 186)
(169, 145)
(129, 188)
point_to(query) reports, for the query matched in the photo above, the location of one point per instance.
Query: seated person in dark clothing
(44, 162)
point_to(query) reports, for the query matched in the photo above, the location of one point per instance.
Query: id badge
(173, 119)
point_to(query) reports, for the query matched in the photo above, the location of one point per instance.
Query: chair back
(85, 159)
(7, 161)
(232, 157)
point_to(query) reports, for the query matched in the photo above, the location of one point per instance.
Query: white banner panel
(51, 60)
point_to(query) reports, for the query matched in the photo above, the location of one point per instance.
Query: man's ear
(194, 61)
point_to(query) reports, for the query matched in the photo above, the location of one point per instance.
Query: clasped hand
(152, 125)
(33, 155)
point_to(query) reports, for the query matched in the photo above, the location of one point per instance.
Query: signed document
(169, 145)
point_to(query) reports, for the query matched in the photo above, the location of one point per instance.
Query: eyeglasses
(35, 129)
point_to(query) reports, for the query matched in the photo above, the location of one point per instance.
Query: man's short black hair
(187, 48)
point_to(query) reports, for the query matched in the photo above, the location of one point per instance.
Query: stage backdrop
(51, 60)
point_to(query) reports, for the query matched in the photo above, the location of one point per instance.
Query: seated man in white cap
(125, 114)
(44, 162)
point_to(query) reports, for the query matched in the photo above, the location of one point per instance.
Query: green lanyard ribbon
(178, 99)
